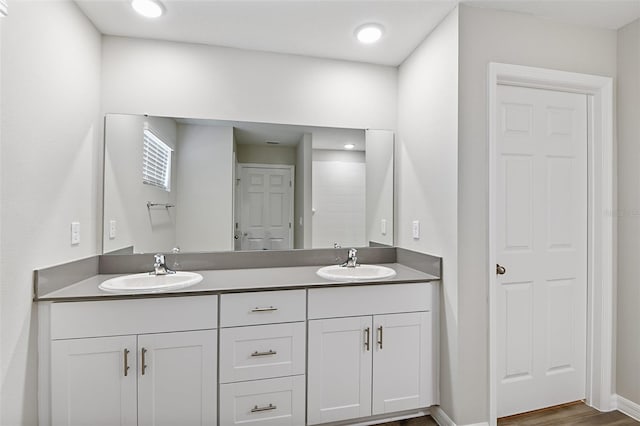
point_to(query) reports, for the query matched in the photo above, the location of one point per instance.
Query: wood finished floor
(571, 415)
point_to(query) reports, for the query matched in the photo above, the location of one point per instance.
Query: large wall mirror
(210, 185)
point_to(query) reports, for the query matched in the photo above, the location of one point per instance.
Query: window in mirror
(156, 161)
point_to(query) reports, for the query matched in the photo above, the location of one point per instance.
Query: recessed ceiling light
(349, 146)
(369, 33)
(148, 8)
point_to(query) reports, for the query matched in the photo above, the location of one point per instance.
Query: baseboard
(629, 408)
(443, 419)
(381, 418)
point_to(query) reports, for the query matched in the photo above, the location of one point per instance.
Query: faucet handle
(353, 252)
(159, 259)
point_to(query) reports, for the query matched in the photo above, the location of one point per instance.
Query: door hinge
(290, 184)
(289, 225)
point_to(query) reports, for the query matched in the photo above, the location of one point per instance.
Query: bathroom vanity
(266, 346)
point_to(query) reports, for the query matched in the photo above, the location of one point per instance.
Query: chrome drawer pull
(144, 362)
(367, 333)
(270, 352)
(269, 309)
(126, 362)
(269, 407)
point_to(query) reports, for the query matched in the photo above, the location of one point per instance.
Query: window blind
(156, 162)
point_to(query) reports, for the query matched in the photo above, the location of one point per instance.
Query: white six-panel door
(541, 241)
(177, 378)
(266, 209)
(90, 382)
(339, 374)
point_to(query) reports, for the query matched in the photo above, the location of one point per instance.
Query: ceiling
(608, 14)
(325, 28)
(250, 133)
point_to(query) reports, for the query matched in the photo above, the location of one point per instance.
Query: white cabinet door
(339, 373)
(402, 362)
(177, 378)
(89, 381)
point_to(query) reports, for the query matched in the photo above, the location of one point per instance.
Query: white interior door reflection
(266, 207)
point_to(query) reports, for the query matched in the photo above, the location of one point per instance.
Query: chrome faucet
(160, 267)
(352, 259)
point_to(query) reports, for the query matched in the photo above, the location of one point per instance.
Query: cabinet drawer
(265, 307)
(262, 351)
(133, 316)
(369, 300)
(274, 402)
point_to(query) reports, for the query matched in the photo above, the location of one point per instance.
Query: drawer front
(272, 402)
(262, 351)
(265, 307)
(133, 316)
(369, 300)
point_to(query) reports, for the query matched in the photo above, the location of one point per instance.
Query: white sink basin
(359, 273)
(145, 283)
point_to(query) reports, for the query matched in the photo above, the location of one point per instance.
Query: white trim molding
(599, 388)
(443, 419)
(626, 406)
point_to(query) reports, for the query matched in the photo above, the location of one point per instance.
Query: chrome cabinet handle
(269, 352)
(126, 362)
(500, 270)
(144, 363)
(267, 309)
(367, 333)
(269, 407)
(380, 337)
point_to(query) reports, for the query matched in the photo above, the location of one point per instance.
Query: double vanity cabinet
(305, 355)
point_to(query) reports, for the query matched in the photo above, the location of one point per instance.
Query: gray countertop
(233, 280)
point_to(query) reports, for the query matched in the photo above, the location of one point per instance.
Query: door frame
(292, 202)
(600, 248)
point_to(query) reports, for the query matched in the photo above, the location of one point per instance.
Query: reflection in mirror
(210, 185)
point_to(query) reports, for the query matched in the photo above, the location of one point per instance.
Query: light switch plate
(112, 229)
(75, 233)
(383, 226)
(416, 229)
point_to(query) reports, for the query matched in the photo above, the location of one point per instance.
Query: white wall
(628, 297)
(125, 196)
(205, 188)
(427, 173)
(494, 36)
(1, 286)
(266, 154)
(379, 186)
(198, 81)
(302, 198)
(51, 136)
(338, 194)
